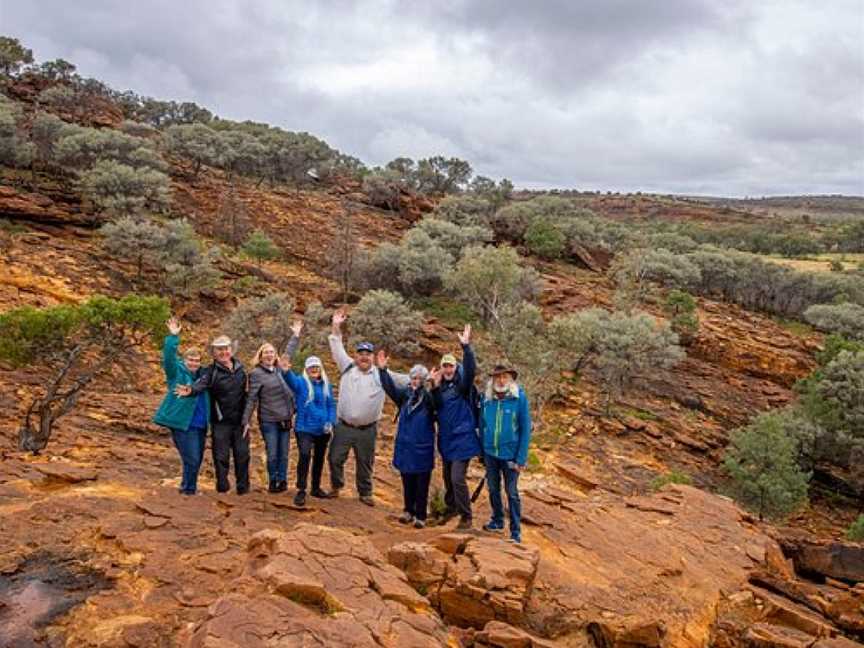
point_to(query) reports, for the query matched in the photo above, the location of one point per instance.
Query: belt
(358, 427)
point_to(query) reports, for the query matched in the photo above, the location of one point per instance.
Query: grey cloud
(680, 95)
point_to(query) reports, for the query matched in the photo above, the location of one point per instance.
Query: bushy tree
(844, 319)
(841, 388)
(762, 462)
(72, 345)
(123, 190)
(512, 221)
(63, 99)
(13, 55)
(195, 142)
(385, 319)
(619, 346)
(677, 243)
(58, 70)
(262, 319)
(138, 240)
(45, 131)
(383, 189)
(680, 308)
(495, 194)
(465, 210)
(489, 278)
(260, 247)
(15, 150)
(440, 175)
(187, 267)
(451, 237)
(545, 240)
(636, 271)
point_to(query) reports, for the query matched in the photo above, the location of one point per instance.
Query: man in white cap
(225, 379)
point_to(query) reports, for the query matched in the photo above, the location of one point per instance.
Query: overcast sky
(720, 97)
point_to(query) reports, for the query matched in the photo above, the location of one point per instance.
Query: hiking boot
(465, 524)
(317, 492)
(300, 498)
(493, 527)
(282, 486)
(406, 518)
(419, 524)
(272, 488)
(334, 493)
(368, 500)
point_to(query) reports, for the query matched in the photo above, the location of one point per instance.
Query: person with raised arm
(187, 418)
(316, 416)
(455, 399)
(274, 399)
(225, 381)
(414, 451)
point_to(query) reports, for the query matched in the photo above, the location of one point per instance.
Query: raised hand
(435, 376)
(173, 325)
(381, 359)
(339, 318)
(296, 327)
(465, 336)
(182, 390)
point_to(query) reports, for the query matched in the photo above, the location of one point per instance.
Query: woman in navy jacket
(414, 454)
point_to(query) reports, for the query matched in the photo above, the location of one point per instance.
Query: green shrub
(680, 308)
(672, 477)
(545, 240)
(844, 319)
(855, 533)
(260, 247)
(762, 463)
(385, 319)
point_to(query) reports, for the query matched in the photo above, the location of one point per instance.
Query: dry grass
(821, 262)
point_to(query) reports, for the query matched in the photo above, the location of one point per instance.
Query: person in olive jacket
(187, 418)
(414, 452)
(225, 380)
(275, 400)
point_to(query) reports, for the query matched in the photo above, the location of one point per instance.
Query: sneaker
(493, 527)
(334, 493)
(465, 524)
(300, 498)
(515, 539)
(406, 518)
(317, 492)
(272, 488)
(368, 500)
(419, 524)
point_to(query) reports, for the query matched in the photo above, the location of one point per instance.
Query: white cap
(313, 361)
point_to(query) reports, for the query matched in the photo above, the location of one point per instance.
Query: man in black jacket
(226, 381)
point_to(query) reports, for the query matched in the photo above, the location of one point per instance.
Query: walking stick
(478, 490)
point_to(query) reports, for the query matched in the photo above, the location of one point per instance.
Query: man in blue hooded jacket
(505, 427)
(453, 394)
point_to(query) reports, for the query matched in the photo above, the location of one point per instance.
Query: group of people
(440, 405)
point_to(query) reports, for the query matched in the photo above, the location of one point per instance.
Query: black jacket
(227, 389)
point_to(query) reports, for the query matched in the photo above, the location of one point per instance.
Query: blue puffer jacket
(505, 425)
(175, 412)
(415, 436)
(457, 417)
(314, 414)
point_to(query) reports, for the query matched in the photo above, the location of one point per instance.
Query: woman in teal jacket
(505, 428)
(187, 418)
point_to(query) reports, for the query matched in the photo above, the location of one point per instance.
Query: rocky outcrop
(843, 561)
(316, 585)
(40, 208)
(471, 581)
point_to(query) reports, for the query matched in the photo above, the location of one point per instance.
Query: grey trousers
(362, 440)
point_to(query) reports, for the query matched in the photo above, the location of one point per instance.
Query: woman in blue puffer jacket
(414, 454)
(187, 418)
(316, 416)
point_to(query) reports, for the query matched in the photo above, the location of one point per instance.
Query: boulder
(839, 560)
(315, 585)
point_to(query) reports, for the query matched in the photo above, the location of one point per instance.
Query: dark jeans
(307, 443)
(190, 444)
(415, 492)
(362, 440)
(456, 496)
(495, 469)
(228, 440)
(276, 441)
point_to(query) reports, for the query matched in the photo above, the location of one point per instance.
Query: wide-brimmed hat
(365, 346)
(502, 369)
(221, 341)
(448, 358)
(313, 361)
